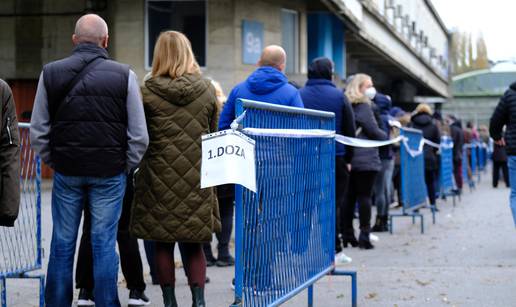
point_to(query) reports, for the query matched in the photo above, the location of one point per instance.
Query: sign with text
(252, 41)
(228, 157)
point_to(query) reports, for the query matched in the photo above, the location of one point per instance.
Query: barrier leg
(422, 224)
(390, 224)
(354, 285)
(433, 214)
(41, 290)
(311, 296)
(3, 292)
(413, 219)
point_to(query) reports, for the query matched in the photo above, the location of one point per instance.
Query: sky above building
(494, 18)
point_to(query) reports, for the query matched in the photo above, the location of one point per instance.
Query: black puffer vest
(88, 135)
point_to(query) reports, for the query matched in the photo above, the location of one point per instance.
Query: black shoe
(364, 242)
(207, 280)
(349, 238)
(378, 224)
(210, 261)
(385, 223)
(138, 298)
(85, 298)
(226, 261)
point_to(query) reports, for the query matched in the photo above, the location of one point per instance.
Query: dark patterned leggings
(194, 263)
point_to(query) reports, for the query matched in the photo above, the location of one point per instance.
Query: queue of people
(97, 128)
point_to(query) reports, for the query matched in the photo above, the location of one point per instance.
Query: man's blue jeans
(512, 181)
(105, 197)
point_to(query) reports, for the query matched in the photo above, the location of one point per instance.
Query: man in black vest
(88, 124)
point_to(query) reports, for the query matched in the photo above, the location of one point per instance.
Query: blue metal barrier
(413, 187)
(285, 231)
(20, 246)
(446, 180)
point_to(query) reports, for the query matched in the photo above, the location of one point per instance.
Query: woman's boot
(197, 296)
(169, 296)
(364, 241)
(378, 224)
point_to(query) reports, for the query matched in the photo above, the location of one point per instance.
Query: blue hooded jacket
(266, 84)
(320, 93)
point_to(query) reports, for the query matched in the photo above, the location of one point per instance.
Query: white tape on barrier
(364, 143)
(292, 133)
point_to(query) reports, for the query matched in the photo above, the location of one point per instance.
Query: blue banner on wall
(252, 41)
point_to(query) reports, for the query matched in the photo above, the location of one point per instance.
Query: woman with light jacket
(365, 164)
(169, 205)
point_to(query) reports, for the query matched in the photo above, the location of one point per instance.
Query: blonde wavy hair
(173, 56)
(423, 108)
(353, 89)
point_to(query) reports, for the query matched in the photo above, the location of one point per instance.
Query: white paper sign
(228, 157)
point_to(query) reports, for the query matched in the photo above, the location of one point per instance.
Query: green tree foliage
(463, 57)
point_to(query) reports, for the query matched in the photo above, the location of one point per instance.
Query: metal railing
(285, 231)
(20, 246)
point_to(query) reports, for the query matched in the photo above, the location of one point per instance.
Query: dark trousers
(430, 184)
(341, 191)
(497, 165)
(360, 191)
(457, 172)
(130, 259)
(396, 178)
(226, 197)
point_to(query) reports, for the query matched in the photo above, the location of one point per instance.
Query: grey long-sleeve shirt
(137, 135)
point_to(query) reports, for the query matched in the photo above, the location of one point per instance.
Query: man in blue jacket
(268, 83)
(320, 93)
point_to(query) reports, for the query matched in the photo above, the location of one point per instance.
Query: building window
(290, 39)
(186, 16)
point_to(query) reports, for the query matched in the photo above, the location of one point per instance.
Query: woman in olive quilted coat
(169, 205)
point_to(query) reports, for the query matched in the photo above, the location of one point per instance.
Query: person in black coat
(365, 164)
(457, 137)
(320, 93)
(500, 163)
(424, 121)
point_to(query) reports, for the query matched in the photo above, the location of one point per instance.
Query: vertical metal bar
(354, 290)
(38, 211)
(422, 224)
(41, 290)
(3, 292)
(239, 225)
(311, 296)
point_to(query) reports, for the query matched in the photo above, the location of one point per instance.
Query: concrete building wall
(475, 109)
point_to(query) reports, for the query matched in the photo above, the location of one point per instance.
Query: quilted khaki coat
(169, 205)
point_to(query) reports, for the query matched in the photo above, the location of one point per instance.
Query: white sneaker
(342, 258)
(373, 237)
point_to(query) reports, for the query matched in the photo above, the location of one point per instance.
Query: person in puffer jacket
(505, 115)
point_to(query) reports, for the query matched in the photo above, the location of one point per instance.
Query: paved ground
(467, 259)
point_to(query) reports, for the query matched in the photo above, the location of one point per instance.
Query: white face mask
(370, 92)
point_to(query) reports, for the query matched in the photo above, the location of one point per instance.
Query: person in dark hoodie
(458, 142)
(320, 93)
(268, 83)
(365, 163)
(424, 121)
(505, 116)
(383, 185)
